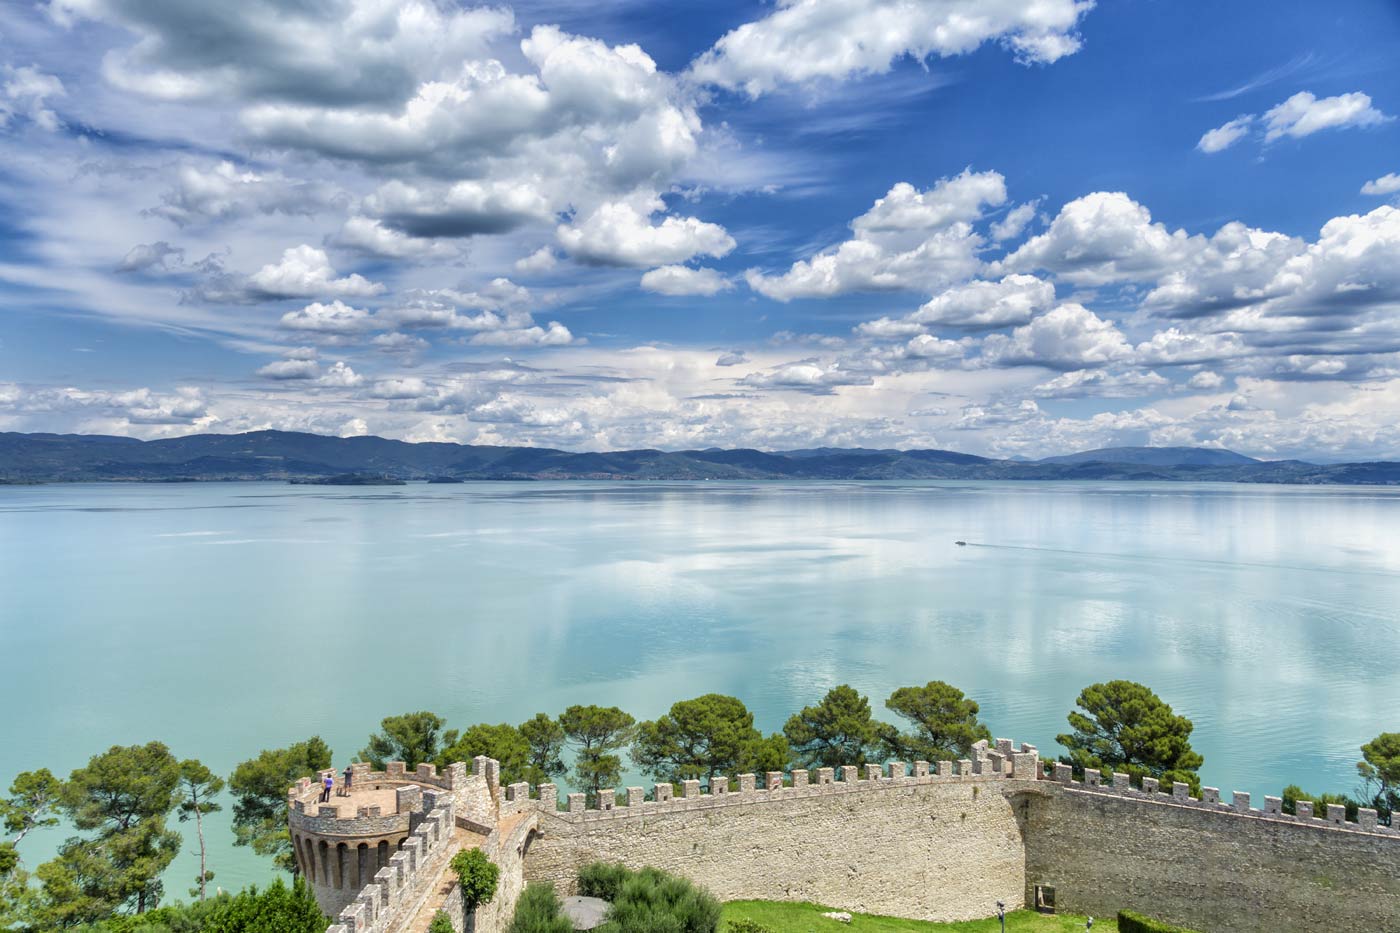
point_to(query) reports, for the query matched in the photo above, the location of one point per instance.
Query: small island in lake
(348, 479)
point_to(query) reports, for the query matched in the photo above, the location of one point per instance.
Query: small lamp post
(1001, 915)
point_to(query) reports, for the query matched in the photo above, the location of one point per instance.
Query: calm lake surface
(226, 618)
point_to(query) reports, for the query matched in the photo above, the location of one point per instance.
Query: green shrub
(539, 911)
(478, 875)
(651, 901)
(602, 879)
(1129, 922)
(745, 925)
(441, 923)
(278, 908)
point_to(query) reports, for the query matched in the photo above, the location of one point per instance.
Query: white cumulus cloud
(335, 318)
(1068, 337)
(1304, 114)
(1101, 238)
(683, 280)
(1013, 300)
(909, 239)
(805, 40)
(1386, 184)
(1226, 135)
(621, 233)
(306, 272)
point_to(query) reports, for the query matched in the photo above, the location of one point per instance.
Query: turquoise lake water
(226, 618)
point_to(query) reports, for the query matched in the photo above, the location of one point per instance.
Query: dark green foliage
(123, 796)
(121, 788)
(259, 788)
(1380, 774)
(1124, 726)
(596, 733)
(539, 911)
(277, 909)
(412, 738)
(769, 753)
(32, 802)
(1293, 793)
(502, 742)
(837, 731)
(546, 740)
(651, 901)
(92, 879)
(602, 879)
(478, 876)
(945, 723)
(1129, 922)
(16, 895)
(709, 735)
(441, 923)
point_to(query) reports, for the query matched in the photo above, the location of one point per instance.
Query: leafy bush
(1129, 922)
(478, 875)
(651, 901)
(441, 923)
(602, 879)
(539, 911)
(275, 909)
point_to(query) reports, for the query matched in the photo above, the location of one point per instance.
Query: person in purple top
(327, 782)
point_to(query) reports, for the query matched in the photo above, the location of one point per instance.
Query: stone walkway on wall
(462, 839)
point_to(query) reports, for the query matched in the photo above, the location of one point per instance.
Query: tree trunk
(203, 872)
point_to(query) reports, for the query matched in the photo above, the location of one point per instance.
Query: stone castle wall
(1207, 865)
(930, 844)
(940, 842)
(507, 847)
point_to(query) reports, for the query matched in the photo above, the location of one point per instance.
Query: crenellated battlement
(342, 845)
(396, 890)
(988, 763)
(1179, 794)
(305, 794)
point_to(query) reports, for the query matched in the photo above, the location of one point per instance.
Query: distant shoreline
(281, 456)
(652, 480)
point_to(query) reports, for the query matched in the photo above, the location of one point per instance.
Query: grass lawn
(807, 918)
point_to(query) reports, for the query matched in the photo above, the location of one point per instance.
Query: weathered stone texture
(1208, 869)
(507, 848)
(935, 851)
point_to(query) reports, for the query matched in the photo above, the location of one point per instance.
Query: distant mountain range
(283, 455)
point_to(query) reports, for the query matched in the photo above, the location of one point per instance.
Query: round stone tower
(342, 843)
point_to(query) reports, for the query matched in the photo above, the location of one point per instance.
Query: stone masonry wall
(942, 842)
(1206, 865)
(934, 846)
(507, 848)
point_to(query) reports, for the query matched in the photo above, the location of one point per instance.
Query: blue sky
(1000, 226)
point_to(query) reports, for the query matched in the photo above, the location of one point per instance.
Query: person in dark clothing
(349, 778)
